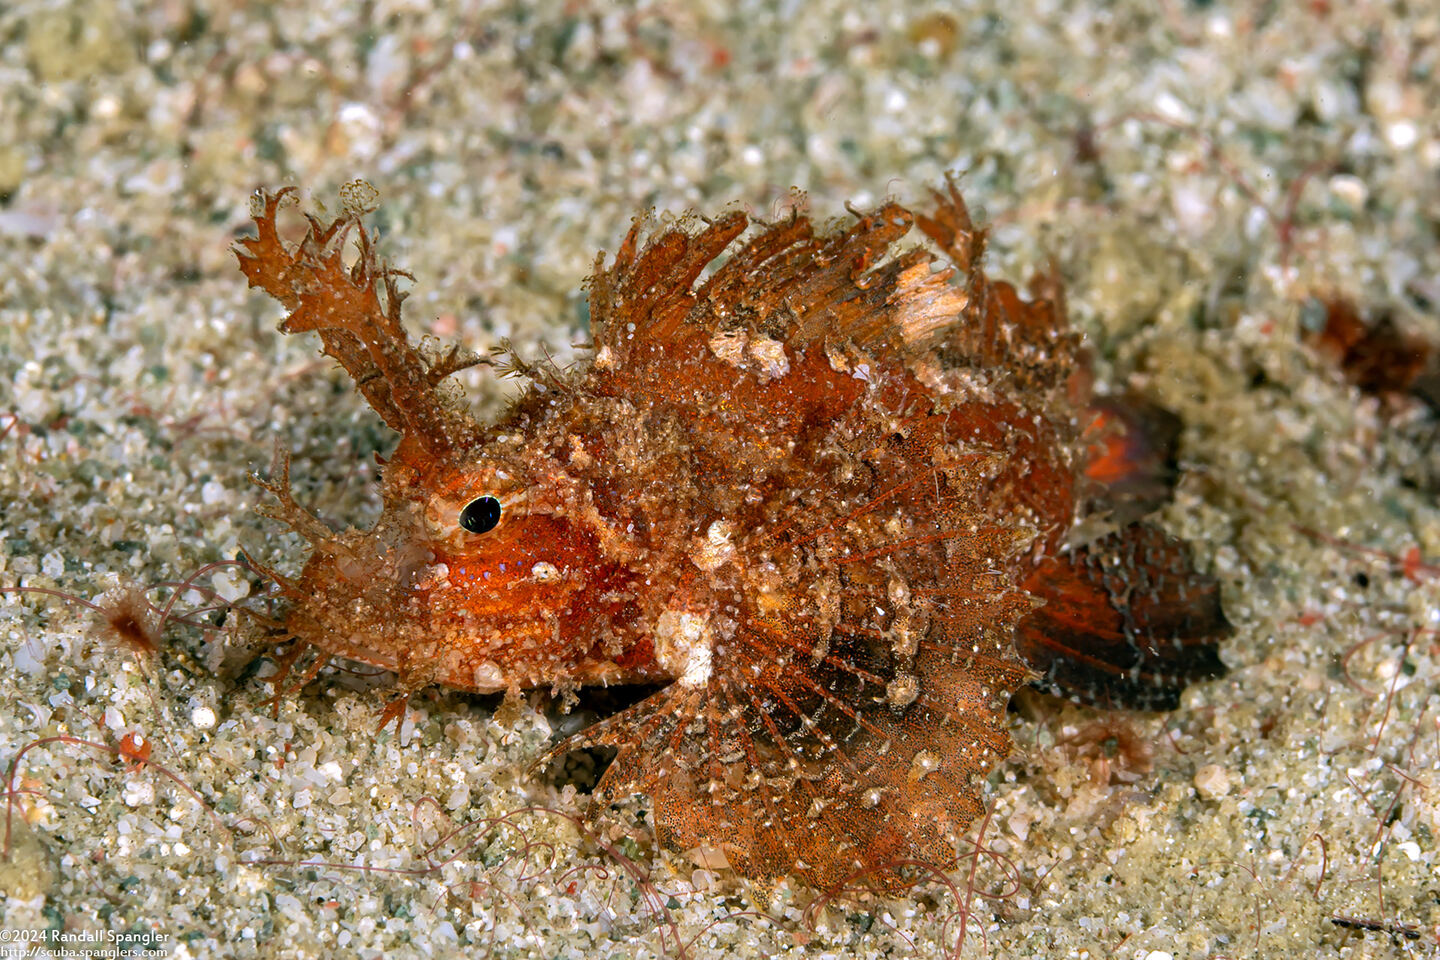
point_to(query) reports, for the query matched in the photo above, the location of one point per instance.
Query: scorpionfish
(819, 488)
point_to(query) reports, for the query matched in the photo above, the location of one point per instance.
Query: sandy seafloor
(1149, 149)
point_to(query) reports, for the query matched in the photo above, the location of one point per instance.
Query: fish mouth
(358, 590)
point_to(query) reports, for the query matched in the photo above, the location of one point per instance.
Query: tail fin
(1127, 622)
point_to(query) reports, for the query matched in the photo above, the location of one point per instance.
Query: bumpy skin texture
(818, 494)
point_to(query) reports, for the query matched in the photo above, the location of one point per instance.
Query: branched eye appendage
(356, 312)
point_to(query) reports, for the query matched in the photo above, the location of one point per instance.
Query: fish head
(485, 571)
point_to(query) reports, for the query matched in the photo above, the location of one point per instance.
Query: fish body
(821, 493)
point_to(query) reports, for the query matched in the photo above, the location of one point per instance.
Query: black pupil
(480, 515)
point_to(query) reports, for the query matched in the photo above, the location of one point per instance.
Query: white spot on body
(729, 346)
(435, 575)
(770, 355)
(903, 690)
(489, 677)
(544, 572)
(716, 549)
(683, 646)
(899, 592)
(906, 631)
(925, 762)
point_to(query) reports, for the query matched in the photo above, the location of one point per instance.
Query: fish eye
(480, 515)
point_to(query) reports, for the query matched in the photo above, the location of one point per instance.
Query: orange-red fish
(823, 495)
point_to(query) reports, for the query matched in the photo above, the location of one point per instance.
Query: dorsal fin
(1030, 339)
(788, 282)
(647, 293)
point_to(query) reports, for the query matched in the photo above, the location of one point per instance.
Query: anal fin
(1126, 622)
